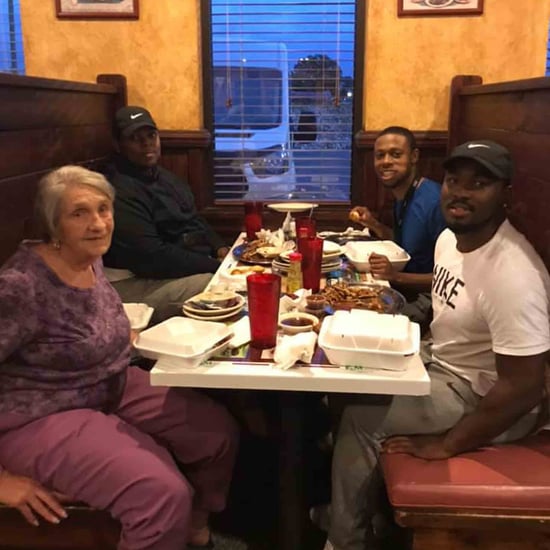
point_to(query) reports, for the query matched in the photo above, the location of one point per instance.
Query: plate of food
(256, 252)
(378, 298)
(346, 236)
(245, 270)
(292, 206)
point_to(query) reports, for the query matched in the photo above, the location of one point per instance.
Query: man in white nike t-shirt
(491, 338)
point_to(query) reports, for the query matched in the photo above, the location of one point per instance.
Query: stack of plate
(330, 262)
(198, 308)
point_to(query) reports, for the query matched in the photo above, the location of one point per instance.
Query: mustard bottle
(294, 279)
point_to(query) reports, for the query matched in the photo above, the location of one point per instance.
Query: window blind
(11, 44)
(282, 79)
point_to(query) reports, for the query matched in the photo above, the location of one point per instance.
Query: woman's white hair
(52, 187)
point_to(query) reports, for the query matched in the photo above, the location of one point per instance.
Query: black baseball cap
(130, 118)
(492, 156)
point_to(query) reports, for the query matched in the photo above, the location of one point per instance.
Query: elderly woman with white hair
(74, 418)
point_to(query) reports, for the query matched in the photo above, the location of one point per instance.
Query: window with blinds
(282, 78)
(11, 44)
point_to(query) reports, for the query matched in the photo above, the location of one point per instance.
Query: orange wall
(410, 61)
(159, 54)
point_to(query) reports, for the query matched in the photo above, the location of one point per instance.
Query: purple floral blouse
(61, 347)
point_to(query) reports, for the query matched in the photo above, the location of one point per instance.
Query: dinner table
(255, 370)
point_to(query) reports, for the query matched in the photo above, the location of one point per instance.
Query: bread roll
(354, 216)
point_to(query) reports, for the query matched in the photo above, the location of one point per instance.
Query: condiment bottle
(294, 279)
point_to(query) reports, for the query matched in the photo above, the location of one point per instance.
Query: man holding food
(162, 251)
(417, 218)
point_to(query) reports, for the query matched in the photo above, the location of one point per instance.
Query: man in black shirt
(162, 252)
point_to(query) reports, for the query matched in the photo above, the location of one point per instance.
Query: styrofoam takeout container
(138, 314)
(358, 253)
(188, 340)
(368, 339)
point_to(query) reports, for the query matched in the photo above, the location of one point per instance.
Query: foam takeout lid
(358, 249)
(369, 331)
(182, 337)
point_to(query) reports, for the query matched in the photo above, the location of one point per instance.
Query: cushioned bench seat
(495, 488)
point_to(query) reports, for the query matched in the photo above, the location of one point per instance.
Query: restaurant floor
(249, 521)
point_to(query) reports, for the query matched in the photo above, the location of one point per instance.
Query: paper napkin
(292, 348)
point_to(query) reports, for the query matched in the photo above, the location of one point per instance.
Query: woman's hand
(31, 498)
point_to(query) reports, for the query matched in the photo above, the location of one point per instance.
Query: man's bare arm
(519, 388)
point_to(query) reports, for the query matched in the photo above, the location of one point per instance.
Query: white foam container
(368, 339)
(138, 314)
(358, 253)
(188, 340)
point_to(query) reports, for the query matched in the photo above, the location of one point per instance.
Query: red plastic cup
(312, 256)
(252, 218)
(306, 228)
(264, 292)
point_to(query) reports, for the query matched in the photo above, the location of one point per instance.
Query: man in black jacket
(162, 251)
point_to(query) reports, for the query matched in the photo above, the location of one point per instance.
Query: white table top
(413, 380)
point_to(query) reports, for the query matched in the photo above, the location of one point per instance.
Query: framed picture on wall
(439, 7)
(97, 9)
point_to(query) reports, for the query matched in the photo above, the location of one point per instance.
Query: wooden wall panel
(517, 115)
(45, 124)
(43, 148)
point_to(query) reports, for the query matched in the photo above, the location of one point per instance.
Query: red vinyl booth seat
(512, 478)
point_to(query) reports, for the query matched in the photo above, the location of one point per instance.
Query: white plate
(220, 317)
(282, 267)
(292, 206)
(187, 307)
(138, 314)
(330, 251)
(330, 248)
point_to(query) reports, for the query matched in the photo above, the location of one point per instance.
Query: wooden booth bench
(496, 498)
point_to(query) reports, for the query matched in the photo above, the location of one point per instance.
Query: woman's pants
(122, 461)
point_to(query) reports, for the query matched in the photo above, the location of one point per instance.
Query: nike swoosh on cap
(474, 145)
(136, 115)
